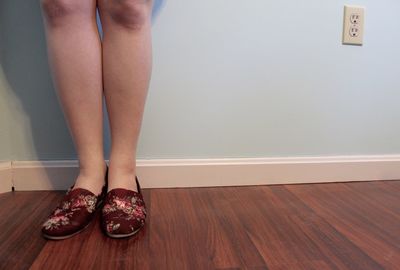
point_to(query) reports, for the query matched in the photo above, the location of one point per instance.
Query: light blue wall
(230, 79)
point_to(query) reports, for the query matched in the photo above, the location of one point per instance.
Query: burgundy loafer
(123, 212)
(73, 213)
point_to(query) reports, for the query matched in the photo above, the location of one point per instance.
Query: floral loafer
(123, 212)
(73, 213)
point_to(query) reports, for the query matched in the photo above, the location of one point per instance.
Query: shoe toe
(73, 214)
(119, 226)
(57, 226)
(123, 213)
(58, 232)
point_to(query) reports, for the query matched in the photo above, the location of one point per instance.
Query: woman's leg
(74, 51)
(127, 63)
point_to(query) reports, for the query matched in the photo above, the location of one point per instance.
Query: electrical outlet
(353, 25)
(354, 31)
(355, 18)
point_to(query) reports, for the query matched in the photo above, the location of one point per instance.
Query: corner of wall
(5, 176)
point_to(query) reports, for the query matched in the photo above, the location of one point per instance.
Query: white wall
(271, 78)
(230, 79)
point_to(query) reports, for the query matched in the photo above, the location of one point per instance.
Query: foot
(123, 214)
(121, 178)
(92, 179)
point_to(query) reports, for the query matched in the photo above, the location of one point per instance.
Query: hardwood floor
(353, 225)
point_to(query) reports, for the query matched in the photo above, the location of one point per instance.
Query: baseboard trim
(173, 173)
(5, 176)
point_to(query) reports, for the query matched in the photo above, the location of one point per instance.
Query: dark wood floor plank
(178, 233)
(382, 221)
(71, 252)
(350, 217)
(22, 214)
(352, 225)
(215, 245)
(393, 184)
(270, 228)
(15, 203)
(4, 197)
(364, 212)
(338, 248)
(306, 265)
(235, 247)
(378, 195)
(378, 203)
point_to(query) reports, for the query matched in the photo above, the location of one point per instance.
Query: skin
(84, 68)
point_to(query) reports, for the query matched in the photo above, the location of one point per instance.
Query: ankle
(93, 170)
(122, 179)
(93, 181)
(123, 168)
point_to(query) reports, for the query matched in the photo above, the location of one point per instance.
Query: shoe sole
(123, 235)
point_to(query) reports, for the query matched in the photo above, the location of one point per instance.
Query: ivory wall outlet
(353, 25)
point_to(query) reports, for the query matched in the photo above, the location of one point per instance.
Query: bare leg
(127, 57)
(74, 50)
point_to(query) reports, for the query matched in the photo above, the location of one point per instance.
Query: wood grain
(351, 225)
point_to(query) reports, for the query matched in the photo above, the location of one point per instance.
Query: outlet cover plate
(353, 25)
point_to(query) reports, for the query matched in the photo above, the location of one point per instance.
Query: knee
(55, 11)
(131, 14)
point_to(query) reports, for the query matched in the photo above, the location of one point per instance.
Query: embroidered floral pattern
(112, 227)
(70, 204)
(123, 210)
(73, 213)
(133, 207)
(56, 221)
(88, 202)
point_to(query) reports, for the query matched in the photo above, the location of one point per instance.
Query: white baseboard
(166, 173)
(5, 176)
